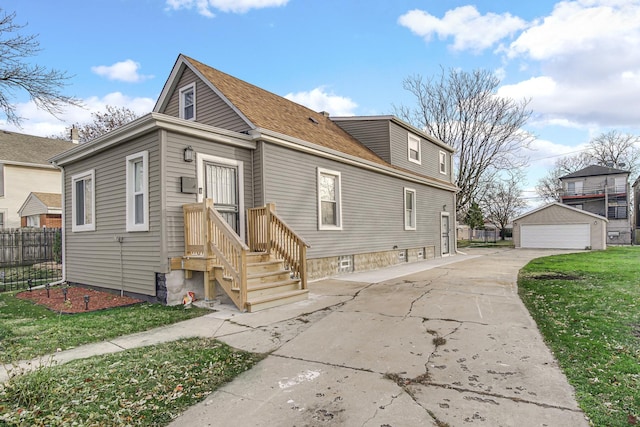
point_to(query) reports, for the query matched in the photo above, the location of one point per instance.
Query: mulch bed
(98, 300)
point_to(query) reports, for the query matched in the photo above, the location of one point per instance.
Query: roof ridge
(285, 116)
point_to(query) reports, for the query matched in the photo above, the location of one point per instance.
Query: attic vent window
(314, 121)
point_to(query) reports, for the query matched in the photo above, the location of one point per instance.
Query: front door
(221, 185)
(444, 224)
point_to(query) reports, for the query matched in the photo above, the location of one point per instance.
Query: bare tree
(103, 122)
(42, 84)
(503, 201)
(463, 110)
(549, 187)
(616, 149)
(608, 149)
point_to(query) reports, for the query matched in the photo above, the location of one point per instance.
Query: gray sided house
(603, 191)
(228, 187)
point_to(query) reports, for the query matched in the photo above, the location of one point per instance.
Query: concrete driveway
(451, 344)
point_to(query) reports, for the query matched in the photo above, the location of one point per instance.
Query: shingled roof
(50, 200)
(29, 149)
(272, 112)
(594, 170)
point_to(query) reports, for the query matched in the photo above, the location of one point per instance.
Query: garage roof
(562, 206)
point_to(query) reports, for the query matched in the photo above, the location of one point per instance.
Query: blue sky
(578, 61)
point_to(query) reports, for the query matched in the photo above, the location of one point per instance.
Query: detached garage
(558, 226)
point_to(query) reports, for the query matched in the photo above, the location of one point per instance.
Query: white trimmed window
(409, 209)
(188, 102)
(83, 202)
(329, 200)
(33, 221)
(137, 204)
(443, 162)
(413, 149)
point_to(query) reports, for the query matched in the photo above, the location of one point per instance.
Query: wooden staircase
(269, 272)
(269, 283)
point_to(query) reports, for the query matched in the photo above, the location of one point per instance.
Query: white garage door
(561, 236)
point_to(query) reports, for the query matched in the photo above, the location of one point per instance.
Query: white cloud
(580, 26)
(125, 71)
(469, 29)
(233, 6)
(319, 100)
(588, 54)
(40, 123)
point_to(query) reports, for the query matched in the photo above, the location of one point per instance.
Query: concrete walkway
(440, 341)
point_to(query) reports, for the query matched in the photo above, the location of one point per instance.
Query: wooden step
(264, 289)
(254, 257)
(268, 277)
(264, 267)
(275, 300)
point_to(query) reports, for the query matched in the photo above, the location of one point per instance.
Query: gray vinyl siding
(93, 257)
(34, 207)
(258, 176)
(372, 133)
(177, 167)
(429, 154)
(210, 108)
(372, 206)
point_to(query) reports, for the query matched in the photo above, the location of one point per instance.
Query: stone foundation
(319, 268)
(172, 287)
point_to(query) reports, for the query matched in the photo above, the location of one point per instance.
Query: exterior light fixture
(30, 284)
(189, 154)
(86, 302)
(47, 287)
(64, 292)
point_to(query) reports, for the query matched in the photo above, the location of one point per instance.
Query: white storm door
(444, 225)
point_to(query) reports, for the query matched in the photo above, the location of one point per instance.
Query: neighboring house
(24, 168)
(42, 210)
(558, 226)
(603, 191)
(350, 194)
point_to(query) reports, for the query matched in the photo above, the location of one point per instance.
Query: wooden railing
(208, 235)
(269, 233)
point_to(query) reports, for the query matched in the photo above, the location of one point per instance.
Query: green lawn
(28, 330)
(146, 386)
(587, 306)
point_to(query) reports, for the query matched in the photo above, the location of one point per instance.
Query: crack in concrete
(333, 365)
(375, 414)
(501, 396)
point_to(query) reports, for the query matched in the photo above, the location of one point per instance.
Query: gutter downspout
(63, 236)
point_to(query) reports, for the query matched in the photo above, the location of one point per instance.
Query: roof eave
(26, 164)
(148, 123)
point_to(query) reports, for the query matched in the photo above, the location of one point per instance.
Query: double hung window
(409, 209)
(329, 200)
(137, 204)
(188, 102)
(83, 201)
